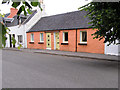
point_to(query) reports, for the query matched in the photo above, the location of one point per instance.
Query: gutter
(58, 29)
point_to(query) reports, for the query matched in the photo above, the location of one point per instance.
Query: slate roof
(24, 19)
(71, 20)
(6, 15)
(13, 23)
(29, 17)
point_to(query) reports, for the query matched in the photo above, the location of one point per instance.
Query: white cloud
(5, 8)
(62, 6)
(54, 6)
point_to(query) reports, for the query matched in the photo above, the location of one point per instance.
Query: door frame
(46, 42)
(14, 38)
(10, 40)
(55, 40)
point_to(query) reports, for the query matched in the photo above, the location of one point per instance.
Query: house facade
(15, 31)
(65, 40)
(112, 49)
(65, 32)
(19, 27)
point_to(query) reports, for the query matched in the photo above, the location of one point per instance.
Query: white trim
(32, 38)
(83, 42)
(40, 37)
(64, 38)
(54, 42)
(46, 42)
(12, 19)
(116, 54)
(21, 38)
(7, 19)
(81, 37)
(48, 48)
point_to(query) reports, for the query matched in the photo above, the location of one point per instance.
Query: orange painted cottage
(65, 32)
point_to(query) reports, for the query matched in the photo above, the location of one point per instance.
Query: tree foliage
(3, 31)
(23, 5)
(105, 16)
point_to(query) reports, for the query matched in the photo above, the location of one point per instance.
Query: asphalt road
(33, 70)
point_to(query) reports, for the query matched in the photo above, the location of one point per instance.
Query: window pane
(41, 37)
(84, 36)
(32, 37)
(20, 38)
(66, 36)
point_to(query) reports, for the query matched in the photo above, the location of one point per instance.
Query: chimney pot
(13, 12)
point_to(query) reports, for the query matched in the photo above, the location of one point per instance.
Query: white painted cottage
(18, 28)
(112, 49)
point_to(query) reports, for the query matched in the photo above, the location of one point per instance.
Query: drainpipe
(76, 41)
(24, 36)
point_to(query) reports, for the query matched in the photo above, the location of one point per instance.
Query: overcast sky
(53, 7)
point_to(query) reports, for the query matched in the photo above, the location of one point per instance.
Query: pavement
(34, 70)
(71, 54)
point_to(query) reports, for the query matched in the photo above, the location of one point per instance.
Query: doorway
(56, 41)
(10, 39)
(48, 41)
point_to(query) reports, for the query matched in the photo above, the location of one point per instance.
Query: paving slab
(71, 54)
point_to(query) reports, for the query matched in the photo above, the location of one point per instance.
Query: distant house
(112, 49)
(65, 32)
(19, 27)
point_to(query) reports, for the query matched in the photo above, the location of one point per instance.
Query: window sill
(64, 43)
(40, 42)
(31, 42)
(82, 43)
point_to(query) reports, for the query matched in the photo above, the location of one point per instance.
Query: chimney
(42, 5)
(41, 1)
(13, 12)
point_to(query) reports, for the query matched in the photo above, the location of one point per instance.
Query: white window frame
(64, 37)
(81, 37)
(41, 37)
(32, 37)
(8, 19)
(21, 38)
(20, 21)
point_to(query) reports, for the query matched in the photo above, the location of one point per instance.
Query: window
(32, 37)
(65, 37)
(20, 38)
(19, 21)
(41, 37)
(9, 20)
(83, 37)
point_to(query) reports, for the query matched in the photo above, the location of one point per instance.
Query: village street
(34, 70)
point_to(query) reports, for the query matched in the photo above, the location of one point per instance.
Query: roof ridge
(61, 14)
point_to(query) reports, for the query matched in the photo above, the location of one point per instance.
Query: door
(48, 40)
(14, 38)
(10, 39)
(57, 41)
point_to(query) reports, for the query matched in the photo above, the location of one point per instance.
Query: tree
(25, 7)
(105, 16)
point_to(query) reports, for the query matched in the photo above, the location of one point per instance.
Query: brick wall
(71, 40)
(35, 45)
(93, 45)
